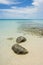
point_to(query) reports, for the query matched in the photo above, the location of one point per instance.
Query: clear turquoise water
(11, 26)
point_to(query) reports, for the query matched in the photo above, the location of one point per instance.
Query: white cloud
(8, 2)
(37, 2)
(27, 12)
(19, 12)
(40, 1)
(15, 12)
(5, 2)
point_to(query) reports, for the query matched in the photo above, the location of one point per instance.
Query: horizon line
(21, 19)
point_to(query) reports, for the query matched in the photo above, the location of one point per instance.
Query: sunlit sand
(34, 45)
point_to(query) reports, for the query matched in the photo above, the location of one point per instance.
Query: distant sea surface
(12, 26)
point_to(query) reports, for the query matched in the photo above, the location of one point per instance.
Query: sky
(21, 9)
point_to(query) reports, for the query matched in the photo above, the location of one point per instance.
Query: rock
(10, 38)
(19, 49)
(20, 39)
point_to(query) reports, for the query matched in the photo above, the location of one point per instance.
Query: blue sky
(21, 9)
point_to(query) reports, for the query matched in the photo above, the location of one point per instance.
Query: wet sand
(34, 45)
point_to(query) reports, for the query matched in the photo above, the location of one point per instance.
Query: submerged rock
(20, 39)
(10, 38)
(19, 49)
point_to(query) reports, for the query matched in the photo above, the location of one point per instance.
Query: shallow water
(9, 27)
(12, 25)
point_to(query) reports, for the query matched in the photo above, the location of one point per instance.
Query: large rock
(19, 49)
(20, 39)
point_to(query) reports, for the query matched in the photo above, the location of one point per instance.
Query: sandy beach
(21, 32)
(34, 45)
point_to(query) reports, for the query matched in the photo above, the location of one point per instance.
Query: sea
(12, 26)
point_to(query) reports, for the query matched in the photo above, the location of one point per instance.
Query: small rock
(19, 49)
(20, 39)
(10, 38)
